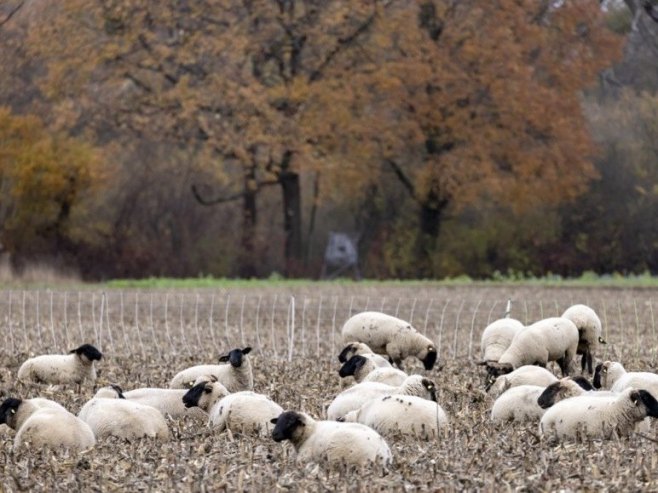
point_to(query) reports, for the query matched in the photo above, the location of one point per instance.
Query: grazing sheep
(243, 412)
(350, 444)
(41, 424)
(497, 337)
(569, 387)
(612, 375)
(354, 397)
(75, 367)
(524, 375)
(589, 332)
(393, 415)
(551, 339)
(108, 413)
(235, 376)
(518, 404)
(391, 336)
(364, 370)
(598, 417)
(354, 348)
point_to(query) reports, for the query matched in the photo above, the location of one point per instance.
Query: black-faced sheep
(391, 336)
(589, 332)
(612, 375)
(75, 367)
(524, 375)
(364, 370)
(353, 348)
(237, 375)
(331, 442)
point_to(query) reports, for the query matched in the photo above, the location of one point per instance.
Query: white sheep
(589, 332)
(45, 423)
(612, 375)
(363, 369)
(108, 413)
(393, 415)
(524, 375)
(598, 417)
(551, 339)
(497, 337)
(354, 397)
(331, 442)
(353, 348)
(518, 404)
(391, 336)
(243, 412)
(75, 367)
(235, 376)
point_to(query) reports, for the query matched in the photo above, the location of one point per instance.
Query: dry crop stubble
(471, 454)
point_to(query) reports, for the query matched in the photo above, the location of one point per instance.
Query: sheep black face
(8, 409)
(642, 397)
(548, 396)
(583, 382)
(192, 397)
(342, 357)
(496, 369)
(354, 364)
(234, 357)
(431, 388)
(286, 425)
(119, 391)
(597, 376)
(430, 358)
(88, 351)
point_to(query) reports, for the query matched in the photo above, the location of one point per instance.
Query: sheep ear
(274, 420)
(602, 340)
(223, 359)
(246, 350)
(207, 390)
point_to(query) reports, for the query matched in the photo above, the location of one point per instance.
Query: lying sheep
(551, 339)
(598, 417)
(350, 444)
(235, 376)
(524, 375)
(589, 332)
(518, 404)
(243, 412)
(353, 348)
(108, 413)
(364, 370)
(354, 397)
(391, 336)
(394, 415)
(612, 375)
(497, 337)
(42, 424)
(75, 367)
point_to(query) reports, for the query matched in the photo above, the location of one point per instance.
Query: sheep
(612, 375)
(551, 339)
(589, 332)
(354, 397)
(42, 423)
(598, 417)
(364, 370)
(354, 348)
(108, 413)
(235, 376)
(524, 375)
(351, 444)
(391, 336)
(518, 404)
(75, 367)
(243, 412)
(569, 387)
(497, 337)
(401, 415)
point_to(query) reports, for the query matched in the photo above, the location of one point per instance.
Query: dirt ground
(147, 337)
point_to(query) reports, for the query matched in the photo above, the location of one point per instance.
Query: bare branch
(12, 13)
(406, 182)
(228, 198)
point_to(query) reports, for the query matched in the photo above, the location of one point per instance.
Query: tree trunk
(247, 267)
(431, 212)
(292, 216)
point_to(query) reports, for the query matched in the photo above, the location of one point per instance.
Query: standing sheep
(394, 415)
(551, 339)
(235, 376)
(497, 337)
(612, 375)
(108, 413)
(589, 332)
(41, 424)
(75, 367)
(354, 348)
(391, 336)
(524, 375)
(243, 412)
(350, 444)
(354, 397)
(598, 417)
(364, 369)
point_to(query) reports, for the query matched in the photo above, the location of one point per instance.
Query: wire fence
(206, 323)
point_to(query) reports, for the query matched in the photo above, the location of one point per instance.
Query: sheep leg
(583, 363)
(564, 365)
(589, 362)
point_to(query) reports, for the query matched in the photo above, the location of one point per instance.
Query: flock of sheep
(384, 401)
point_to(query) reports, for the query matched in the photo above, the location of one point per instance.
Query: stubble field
(148, 336)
